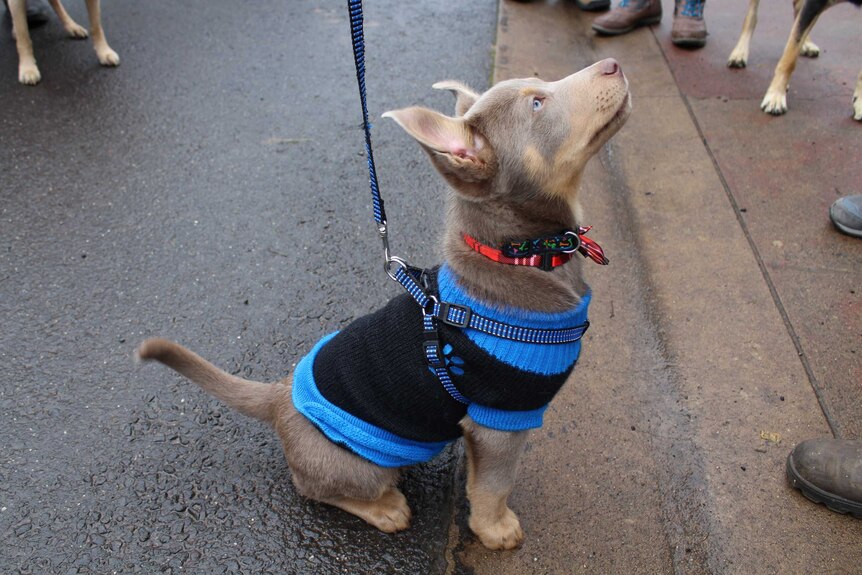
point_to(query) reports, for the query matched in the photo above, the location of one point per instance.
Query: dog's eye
(538, 103)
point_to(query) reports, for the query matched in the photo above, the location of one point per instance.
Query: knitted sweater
(369, 387)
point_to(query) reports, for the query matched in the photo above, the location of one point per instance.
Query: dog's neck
(494, 222)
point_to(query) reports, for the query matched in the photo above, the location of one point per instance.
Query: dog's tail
(248, 397)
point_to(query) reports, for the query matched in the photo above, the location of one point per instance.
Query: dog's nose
(609, 67)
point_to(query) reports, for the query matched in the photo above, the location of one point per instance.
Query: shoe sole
(689, 42)
(594, 6)
(620, 31)
(833, 502)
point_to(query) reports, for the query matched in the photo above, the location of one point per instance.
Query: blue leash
(358, 36)
(410, 277)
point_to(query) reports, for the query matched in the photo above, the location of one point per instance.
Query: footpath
(728, 327)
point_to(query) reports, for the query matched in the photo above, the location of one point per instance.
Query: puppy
(806, 13)
(364, 402)
(28, 73)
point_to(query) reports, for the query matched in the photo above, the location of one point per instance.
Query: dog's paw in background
(774, 102)
(28, 73)
(75, 30)
(506, 533)
(739, 57)
(809, 49)
(72, 28)
(107, 57)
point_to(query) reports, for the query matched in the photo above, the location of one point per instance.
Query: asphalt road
(212, 190)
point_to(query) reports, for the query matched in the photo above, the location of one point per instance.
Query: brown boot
(829, 471)
(689, 28)
(627, 16)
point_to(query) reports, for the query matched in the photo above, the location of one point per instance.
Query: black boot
(37, 12)
(829, 471)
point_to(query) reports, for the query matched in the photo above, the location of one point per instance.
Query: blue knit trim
(506, 420)
(532, 357)
(368, 441)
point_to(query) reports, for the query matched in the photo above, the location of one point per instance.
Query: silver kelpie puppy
(806, 12)
(364, 402)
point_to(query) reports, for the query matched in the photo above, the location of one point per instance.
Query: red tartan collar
(546, 252)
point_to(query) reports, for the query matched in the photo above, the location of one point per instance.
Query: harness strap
(464, 317)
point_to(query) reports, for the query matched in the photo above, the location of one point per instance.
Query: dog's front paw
(503, 534)
(857, 107)
(774, 103)
(108, 57)
(738, 58)
(29, 74)
(809, 49)
(75, 30)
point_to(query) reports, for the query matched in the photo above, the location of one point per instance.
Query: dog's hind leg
(389, 512)
(775, 100)
(739, 57)
(107, 57)
(28, 72)
(857, 99)
(326, 472)
(73, 29)
(492, 464)
(809, 49)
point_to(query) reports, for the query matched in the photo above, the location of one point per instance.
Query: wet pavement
(212, 190)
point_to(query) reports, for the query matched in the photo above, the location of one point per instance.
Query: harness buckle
(459, 320)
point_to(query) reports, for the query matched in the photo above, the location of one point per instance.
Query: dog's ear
(465, 97)
(459, 152)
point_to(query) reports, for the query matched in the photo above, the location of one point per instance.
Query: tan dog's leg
(73, 29)
(809, 49)
(331, 474)
(492, 464)
(389, 512)
(739, 57)
(857, 99)
(775, 100)
(28, 73)
(107, 57)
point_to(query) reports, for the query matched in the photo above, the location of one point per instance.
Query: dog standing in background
(806, 13)
(28, 72)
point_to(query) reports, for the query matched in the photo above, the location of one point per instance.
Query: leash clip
(384, 238)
